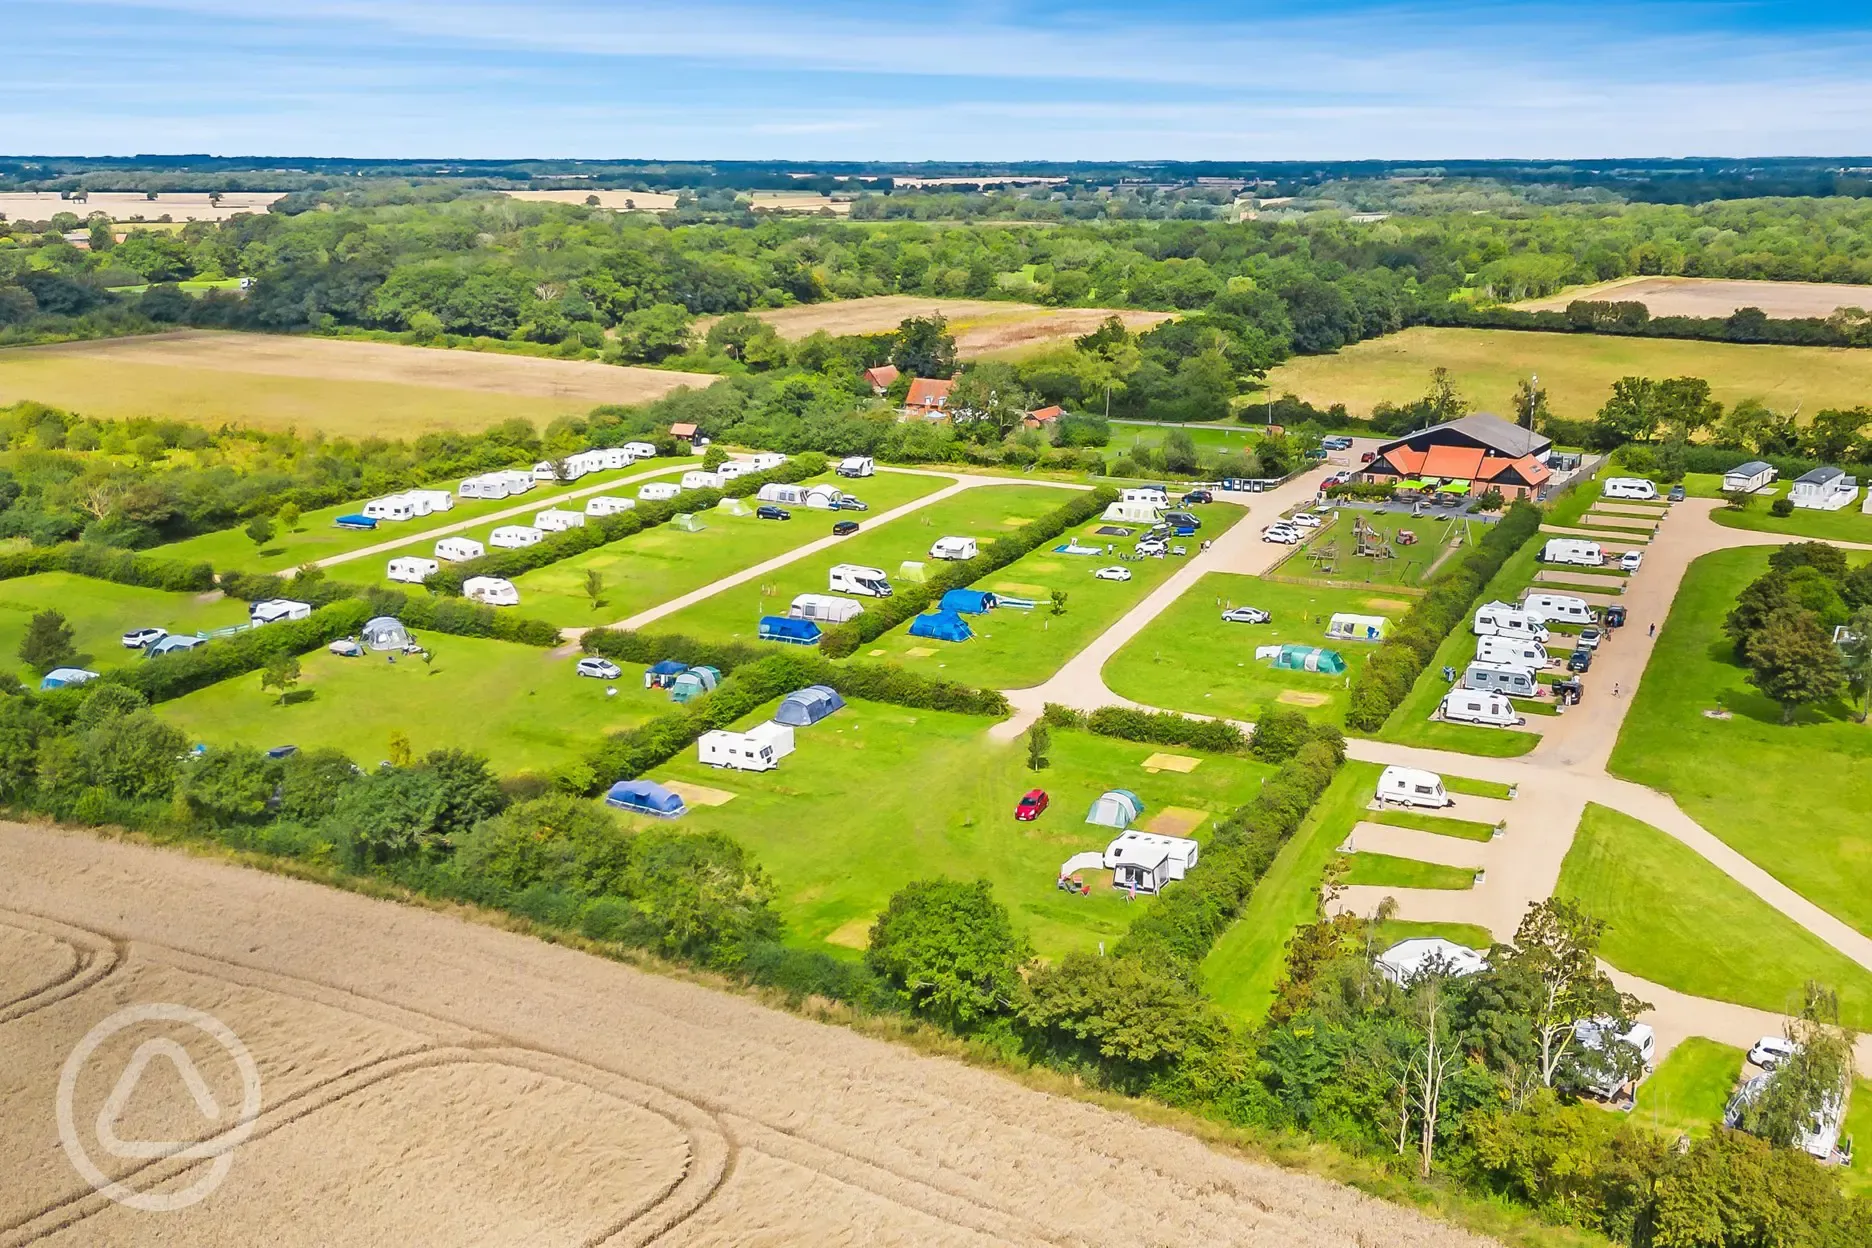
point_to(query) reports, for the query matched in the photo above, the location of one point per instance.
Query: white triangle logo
(119, 1099)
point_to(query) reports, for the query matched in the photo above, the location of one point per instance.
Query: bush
(1781, 507)
(109, 563)
(1216, 736)
(184, 671)
(1364, 491)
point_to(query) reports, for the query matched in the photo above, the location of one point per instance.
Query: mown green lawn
(1857, 1178)
(1390, 871)
(1676, 920)
(1394, 931)
(1211, 441)
(521, 708)
(1848, 524)
(317, 536)
(1440, 825)
(1794, 798)
(1188, 659)
(100, 613)
(847, 819)
(1475, 788)
(1689, 1089)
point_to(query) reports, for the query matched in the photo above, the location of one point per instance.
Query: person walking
(1653, 631)
(1615, 689)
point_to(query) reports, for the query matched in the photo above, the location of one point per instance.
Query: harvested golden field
(129, 205)
(343, 388)
(1576, 369)
(617, 201)
(483, 1088)
(981, 326)
(1705, 296)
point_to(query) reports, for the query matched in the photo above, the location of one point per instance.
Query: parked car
(1152, 548)
(1285, 534)
(1337, 443)
(1198, 496)
(1367, 457)
(1579, 661)
(1029, 807)
(1245, 615)
(844, 528)
(1631, 560)
(137, 638)
(1112, 574)
(848, 503)
(599, 669)
(1770, 1051)
(767, 511)
(1306, 520)
(1590, 638)
(1615, 617)
(1676, 494)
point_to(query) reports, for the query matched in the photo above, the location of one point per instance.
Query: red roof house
(881, 377)
(1040, 418)
(928, 396)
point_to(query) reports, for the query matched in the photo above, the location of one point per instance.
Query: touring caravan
(760, 748)
(852, 578)
(1479, 706)
(393, 507)
(856, 466)
(491, 591)
(1561, 608)
(640, 450)
(1147, 861)
(1498, 619)
(1407, 786)
(518, 482)
(1572, 551)
(696, 479)
(488, 485)
(611, 457)
(735, 469)
(1522, 652)
(1505, 678)
(412, 569)
(429, 501)
(571, 468)
(1146, 494)
(607, 505)
(825, 608)
(659, 492)
(764, 461)
(954, 548)
(515, 536)
(554, 521)
(1629, 487)
(1601, 1072)
(273, 610)
(459, 549)
(783, 494)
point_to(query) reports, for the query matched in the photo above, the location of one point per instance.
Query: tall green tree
(49, 642)
(1793, 661)
(1856, 660)
(1632, 412)
(950, 949)
(925, 348)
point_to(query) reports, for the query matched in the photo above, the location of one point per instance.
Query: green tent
(1296, 658)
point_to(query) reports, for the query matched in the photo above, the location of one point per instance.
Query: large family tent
(1297, 658)
(804, 707)
(941, 626)
(1116, 808)
(694, 683)
(385, 633)
(792, 632)
(646, 797)
(968, 601)
(663, 673)
(66, 677)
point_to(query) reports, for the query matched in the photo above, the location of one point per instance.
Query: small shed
(1345, 626)
(66, 677)
(693, 683)
(805, 707)
(646, 797)
(941, 626)
(1116, 808)
(1297, 658)
(968, 601)
(663, 673)
(385, 633)
(789, 631)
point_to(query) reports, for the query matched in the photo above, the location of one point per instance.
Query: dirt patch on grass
(1020, 589)
(1703, 296)
(920, 652)
(1294, 697)
(853, 935)
(698, 794)
(1182, 763)
(1387, 604)
(1176, 821)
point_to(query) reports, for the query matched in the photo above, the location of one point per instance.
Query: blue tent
(63, 677)
(942, 626)
(646, 797)
(808, 706)
(968, 601)
(793, 632)
(662, 675)
(356, 522)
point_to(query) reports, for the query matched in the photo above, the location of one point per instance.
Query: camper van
(1519, 651)
(1572, 551)
(1498, 619)
(1479, 706)
(515, 536)
(856, 466)
(640, 450)
(1628, 487)
(783, 494)
(760, 748)
(491, 591)
(273, 610)
(1407, 786)
(825, 608)
(1558, 608)
(393, 507)
(488, 485)
(696, 479)
(852, 578)
(553, 521)
(659, 492)
(429, 501)
(412, 569)
(1505, 678)
(459, 549)
(954, 548)
(606, 505)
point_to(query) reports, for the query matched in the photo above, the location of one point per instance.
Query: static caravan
(607, 505)
(610, 457)
(273, 610)
(659, 491)
(852, 578)
(518, 482)
(1522, 652)
(1146, 494)
(825, 608)
(493, 591)
(589, 461)
(783, 494)
(1560, 608)
(696, 479)
(856, 466)
(391, 507)
(1133, 512)
(760, 748)
(459, 549)
(1407, 786)
(1498, 619)
(640, 450)
(1573, 551)
(1517, 682)
(515, 536)
(428, 501)
(765, 460)
(825, 497)
(1629, 487)
(571, 468)
(1748, 478)
(735, 469)
(552, 521)
(413, 569)
(1147, 861)
(488, 485)
(1823, 489)
(954, 548)
(1479, 706)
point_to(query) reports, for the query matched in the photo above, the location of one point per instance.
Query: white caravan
(392, 507)
(1479, 706)
(1561, 608)
(826, 608)
(1407, 786)
(856, 466)
(554, 521)
(640, 450)
(1518, 682)
(735, 469)
(459, 549)
(492, 591)
(515, 536)
(659, 492)
(760, 748)
(954, 548)
(428, 501)
(1629, 487)
(412, 569)
(487, 485)
(1573, 552)
(1596, 1038)
(1134, 512)
(1146, 494)
(1522, 652)
(273, 610)
(607, 505)
(518, 482)
(1498, 619)
(852, 578)
(696, 479)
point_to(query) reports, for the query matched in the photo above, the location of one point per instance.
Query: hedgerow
(1215, 736)
(109, 563)
(184, 671)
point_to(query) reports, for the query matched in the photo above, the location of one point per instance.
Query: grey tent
(385, 633)
(804, 707)
(1116, 808)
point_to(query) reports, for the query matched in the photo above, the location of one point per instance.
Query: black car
(844, 527)
(767, 511)
(1580, 661)
(1198, 496)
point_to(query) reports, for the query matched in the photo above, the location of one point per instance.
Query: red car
(1367, 457)
(1031, 806)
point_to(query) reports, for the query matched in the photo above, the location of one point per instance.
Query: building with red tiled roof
(1041, 417)
(1483, 451)
(881, 377)
(682, 432)
(928, 396)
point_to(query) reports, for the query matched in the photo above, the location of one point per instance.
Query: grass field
(659, 564)
(1708, 296)
(1848, 524)
(1392, 931)
(1188, 659)
(1857, 1178)
(1439, 825)
(1577, 370)
(1676, 920)
(1390, 871)
(100, 613)
(524, 710)
(1792, 798)
(340, 388)
(847, 820)
(1475, 788)
(1210, 440)
(1687, 1092)
(317, 535)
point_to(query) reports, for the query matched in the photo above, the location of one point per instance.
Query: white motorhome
(459, 549)
(852, 578)
(492, 591)
(1498, 619)
(696, 479)
(273, 610)
(954, 548)
(1523, 652)
(1572, 551)
(825, 497)
(1505, 678)
(428, 501)
(487, 485)
(412, 569)
(1561, 608)
(782, 494)
(825, 608)
(515, 536)
(856, 466)
(760, 748)
(391, 507)
(1479, 706)
(658, 491)
(1407, 786)
(1628, 487)
(555, 521)
(640, 450)
(607, 505)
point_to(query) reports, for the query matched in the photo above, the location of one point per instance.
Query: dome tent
(385, 633)
(1116, 808)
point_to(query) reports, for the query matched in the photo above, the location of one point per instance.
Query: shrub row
(1215, 736)
(259, 586)
(1386, 677)
(457, 616)
(172, 675)
(1364, 491)
(109, 563)
(911, 599)
(623, 645)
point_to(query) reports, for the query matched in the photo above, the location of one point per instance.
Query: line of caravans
(408, 505)
(503, 484)
(1500, 619)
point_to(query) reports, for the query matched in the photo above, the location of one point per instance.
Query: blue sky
(994, 80)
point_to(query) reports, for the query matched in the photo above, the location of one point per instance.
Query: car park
(1590, 638)
(1246, 615)
(599, 669)
(1112, 574)
(1770, 1051)
(1337, 442)
(1631, 560)
(844, 528)
(1030, 807)
(136, 639)
(767, 511)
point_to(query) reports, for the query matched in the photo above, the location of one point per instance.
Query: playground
(1364, 546)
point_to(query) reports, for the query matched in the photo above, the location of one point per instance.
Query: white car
(599, 669)
(1285, 534)
(1306, 520)
(1631, 560)
(1112, 574)
(1770, 1051)
(1151, 548)
(1246, 615)
(141, 637)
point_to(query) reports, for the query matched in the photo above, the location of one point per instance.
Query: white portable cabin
(493, 591)
(1147, 861)
(607, 505)
(459, 549)
(1408, 786)
(487, 485)
(1408, 959)
(1569, 550)
(1135, 511)
(554, 521)
(273, 610)
(1565, 608)
(782, 493)
(696, 479)
(515, 536)
(760, 748)
(1523, 652)
(1748, 478)
(826, 608)
(390, 507)
(1508, 678)
(1498, 619)
(428, 501)
(954, 548)
(825, 497)
(412, 569)
(855, 578)
(856, 466)
(640, 450)
(1479, 706)
(1146, 494)
(1629, 487)
(659, 491)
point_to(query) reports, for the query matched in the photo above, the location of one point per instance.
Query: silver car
(1246, 615)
